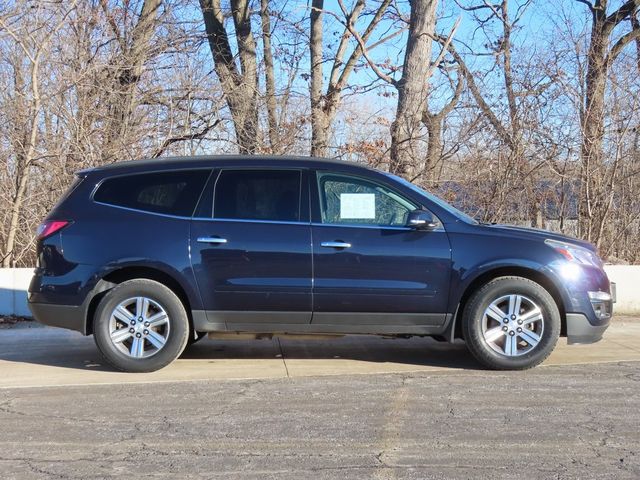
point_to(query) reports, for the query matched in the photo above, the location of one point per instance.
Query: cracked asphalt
(567, 421)
(358, 407)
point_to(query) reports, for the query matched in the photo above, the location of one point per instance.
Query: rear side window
(171, 193)
(258, 195)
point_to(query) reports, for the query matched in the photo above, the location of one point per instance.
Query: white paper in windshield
(357, 205)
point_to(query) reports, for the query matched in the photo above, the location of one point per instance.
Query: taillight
(49, 227)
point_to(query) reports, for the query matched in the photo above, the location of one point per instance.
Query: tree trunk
(131, 64)
(269, 75)
(240, 87)
(434, 144)
(595, 196)
(24, 167)
(324, 105)
(412, 88)
(319, 124)
(593, 118)
(33, 50)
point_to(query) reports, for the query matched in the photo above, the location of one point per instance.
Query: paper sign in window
(357, 205)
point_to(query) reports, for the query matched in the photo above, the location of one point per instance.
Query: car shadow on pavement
(413, 351)
(65, 349)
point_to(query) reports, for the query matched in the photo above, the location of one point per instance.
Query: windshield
(438, 201)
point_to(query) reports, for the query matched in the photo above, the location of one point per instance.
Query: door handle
(335, 245)
(216, 240)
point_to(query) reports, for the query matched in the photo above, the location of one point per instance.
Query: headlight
(574, 253)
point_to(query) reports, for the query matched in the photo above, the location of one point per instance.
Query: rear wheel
(140, 326)
(511, 323)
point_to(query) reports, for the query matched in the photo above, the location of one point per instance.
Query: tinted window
(258, 195)
(354, 200)
(173, 193)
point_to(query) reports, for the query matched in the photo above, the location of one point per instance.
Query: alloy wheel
(139, 327)
(513, 325)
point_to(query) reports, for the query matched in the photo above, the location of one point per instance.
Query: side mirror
(421, 220)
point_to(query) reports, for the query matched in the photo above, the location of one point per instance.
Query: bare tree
(325, 103)
(412, 87)
(240, 84)
(434, 121)
(269, 75)
(134, 52)
(33, 43)
(603, 51)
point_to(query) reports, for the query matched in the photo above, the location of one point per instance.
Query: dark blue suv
(151, 255)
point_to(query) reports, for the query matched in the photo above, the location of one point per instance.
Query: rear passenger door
(251, 248)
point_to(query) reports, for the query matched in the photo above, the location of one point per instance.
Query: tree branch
(621, 43)
(182, 138)
(625, 10)
(588, 4)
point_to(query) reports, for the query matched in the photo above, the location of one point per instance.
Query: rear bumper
(71, 317)
(580, 330)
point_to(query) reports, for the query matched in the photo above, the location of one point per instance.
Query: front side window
(357, 201)
(272, 195)
(172, 193)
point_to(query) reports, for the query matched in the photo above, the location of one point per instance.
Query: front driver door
(252, 255)
(369, 268)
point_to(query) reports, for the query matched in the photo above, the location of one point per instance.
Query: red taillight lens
(50, 227)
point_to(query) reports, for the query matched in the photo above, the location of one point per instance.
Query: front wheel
(511, 323)
(140, 326)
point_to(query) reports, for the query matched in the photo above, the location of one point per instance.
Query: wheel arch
(131, 272)
(508, 271)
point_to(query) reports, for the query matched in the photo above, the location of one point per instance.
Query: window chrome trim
(375, 227)
(168, 215)
(249, 220)
(351, 225)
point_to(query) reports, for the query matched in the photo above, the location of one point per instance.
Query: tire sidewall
(478, 303)
(178, 323)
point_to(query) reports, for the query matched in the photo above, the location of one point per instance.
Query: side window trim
(102, 181)
(303, 198)
(320, 200)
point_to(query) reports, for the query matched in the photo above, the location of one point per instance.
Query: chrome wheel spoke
(514, 304)
(120, 335)
(531, 316)
(493, 334)
(142, 307)
(122, 314)
(510, 345)
(158, 319)
(156, 339)
(137, 347)
(529, 336)
(495, 313)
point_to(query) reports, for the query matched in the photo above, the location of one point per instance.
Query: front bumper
(580, 330)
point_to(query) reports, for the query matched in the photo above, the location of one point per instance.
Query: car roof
(212, 161)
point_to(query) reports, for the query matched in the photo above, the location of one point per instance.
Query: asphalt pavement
(353, 408)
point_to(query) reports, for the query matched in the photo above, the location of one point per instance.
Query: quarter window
(258, 195)
(354, 200)
(172, 193)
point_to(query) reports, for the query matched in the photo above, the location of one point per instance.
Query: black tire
(178, 326)
(472, 322)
